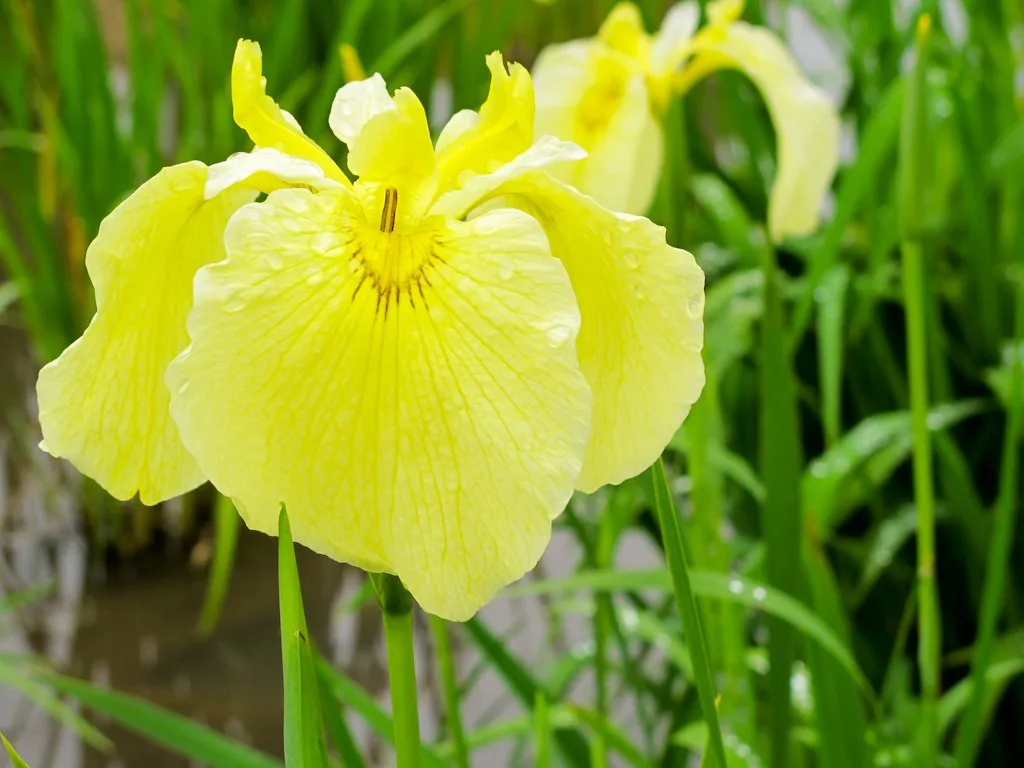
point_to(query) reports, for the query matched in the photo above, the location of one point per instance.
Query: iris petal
(671, 44)
(806, 123)
(265, 170)
(356, 103)
(103, 403)
(260, 116)
(642, 304)
(432, 431)
(502, 130)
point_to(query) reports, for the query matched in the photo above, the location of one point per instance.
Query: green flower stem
(686, 604)
(396, 607)
(450, 688)
(913, 183)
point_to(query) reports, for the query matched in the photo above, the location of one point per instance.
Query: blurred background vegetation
(801, 444)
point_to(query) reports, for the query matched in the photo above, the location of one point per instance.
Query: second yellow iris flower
(609, 93)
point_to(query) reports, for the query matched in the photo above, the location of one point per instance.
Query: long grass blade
(175, 733)
(16, 760)
(304, 745)
(686, 604)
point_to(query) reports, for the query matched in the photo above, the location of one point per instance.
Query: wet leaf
(892, 534)
(842, 478)
(714, 586)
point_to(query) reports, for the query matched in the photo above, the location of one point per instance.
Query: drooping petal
(265, 122)
(806, 123)
(265, 170)
(414, 400)
(103, 404)
(642, 305)
(356, 103)
(502, 130)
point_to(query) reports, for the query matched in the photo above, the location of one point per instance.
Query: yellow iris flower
(608, 94)
(422, 365)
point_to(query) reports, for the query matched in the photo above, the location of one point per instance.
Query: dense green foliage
(839, 366)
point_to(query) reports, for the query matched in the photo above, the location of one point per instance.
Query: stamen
(390, 210)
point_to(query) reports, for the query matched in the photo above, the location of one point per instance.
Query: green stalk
(686, 604)
(450, 689)
(396, 608)
(913, 183)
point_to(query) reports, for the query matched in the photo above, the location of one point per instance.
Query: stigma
(390, 211)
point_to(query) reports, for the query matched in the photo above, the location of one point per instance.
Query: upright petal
(428, 420)
(561, 75)
(642, 305)
(806, 123)
(623, 31)
(265, 122)
(356, 103)
(502, 130)
(394, 143)
(103, 403)
(671, 44)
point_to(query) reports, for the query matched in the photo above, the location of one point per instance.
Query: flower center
(396, 264)
(601, 99)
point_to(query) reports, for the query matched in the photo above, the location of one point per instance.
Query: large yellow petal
(642, 305)
(432, 431)
(503, 129)
(806, 123)
(265, 122)
(103, 403)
